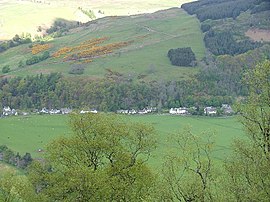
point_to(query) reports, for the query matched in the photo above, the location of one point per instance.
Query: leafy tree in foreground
(255, 110)
(190, 174)
(103, 161)
(248, 168)
(14, 187)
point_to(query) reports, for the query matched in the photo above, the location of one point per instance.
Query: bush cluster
(182, 57)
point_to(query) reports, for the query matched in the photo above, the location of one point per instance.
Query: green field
(28, 134)
(25, 16)
(152, 35)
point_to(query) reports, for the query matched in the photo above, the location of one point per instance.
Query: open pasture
(152, 36)
(25, 16)
(28, 134)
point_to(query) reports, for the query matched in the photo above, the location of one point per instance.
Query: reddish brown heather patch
(258, 34)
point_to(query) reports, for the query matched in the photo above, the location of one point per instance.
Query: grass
(17, 17)
(25, 16)
(153, 35)
(28, 134)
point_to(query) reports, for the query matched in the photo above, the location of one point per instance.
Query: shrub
(36, 59)
(21, 64)
(5, 69)
(182, 57)
(205, 27)
(76, 69)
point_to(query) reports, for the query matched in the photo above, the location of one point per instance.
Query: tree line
(222, 43)
(15, 159)
(106, 159)
(218, 81)
(109, 94)
(15, 41)
(219, 9)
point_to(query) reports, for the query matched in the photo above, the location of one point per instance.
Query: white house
(227, 109)
(65, 110)
(132, 111)
(210, 110)
(121, 111)
(84, 112)
(94, 111)
(44, 111)
(7, 111)
(54, 111)
(180, 111)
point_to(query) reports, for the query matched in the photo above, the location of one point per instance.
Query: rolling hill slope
(17, 16)
(150, 36)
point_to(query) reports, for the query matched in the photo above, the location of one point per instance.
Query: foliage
(104, 160)
(205, 27)
(219, 9)
(223, 75)
(255, 109)
(89, 13)
(88, 49)
(37, 58)
(247, 177)
(9, 157)
(21, 64)
(110, 94)
(264, 6)
(248, 168)
(182, 57)
(190, 175)
(37, 48)
(5, 69)
(59, 27)
(76, 69)
(16, 41)
(14, 187)
(221, 43)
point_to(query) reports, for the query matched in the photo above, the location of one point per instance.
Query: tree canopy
(104, 160)
(182, 57)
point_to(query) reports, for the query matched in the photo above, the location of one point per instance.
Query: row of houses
(225, 108)
(133, 111)
(7, 111)
(65, 111)
(55, 111)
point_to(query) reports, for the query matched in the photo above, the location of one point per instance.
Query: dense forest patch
(182, 57)
(219, 9)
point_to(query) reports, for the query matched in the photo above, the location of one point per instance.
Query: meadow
(152, 36)
(25, 16)
(31, 133)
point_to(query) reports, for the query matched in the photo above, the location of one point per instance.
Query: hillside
(150, 36)
(18, 16)
(124, 62)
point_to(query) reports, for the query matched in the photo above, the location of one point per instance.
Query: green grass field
(28, 134)
(25, 16)
(153, 35)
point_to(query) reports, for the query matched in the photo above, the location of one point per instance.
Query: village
(224, 110)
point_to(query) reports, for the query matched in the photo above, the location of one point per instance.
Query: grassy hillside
(25, 16)
(151, 36)
(28, 134)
